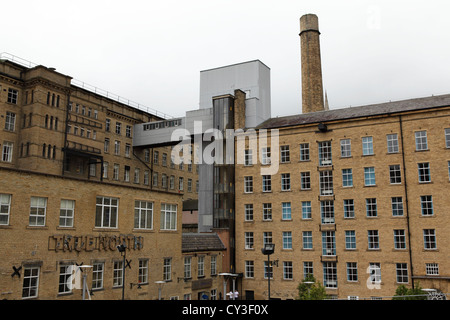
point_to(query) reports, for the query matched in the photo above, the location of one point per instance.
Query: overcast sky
(152, 52)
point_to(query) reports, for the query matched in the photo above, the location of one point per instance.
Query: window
(268, 270)
(118, 274)
(249, 240)
(189, 185)
(5, 206)
(201, 266)
(249, 269)
(265, 155)
(375, 272)
(10, 121)
(181, 183)
(97, 275)
(352, 272)
(168, 216)
(267, 237)
(426, 203)
(369, 176)
(326, 183)
(117, 147)
(328, 243)
(305, 180)
(155, 157)
(248, 184)
(128, 131)
(447, 138)
(395, 174)
(432, 269)
(399, 239)
(66, 213)
(172, 182)
(249, 212)
(106, 212)
(267, 211)
(65, 272)
(127, 150)
(371, 207)
(350, 240)
(213, 265)
(429, 239)
(325, 158)
(38, 208)
(402, 272)
(307, 268)
(143, 271)
(143, 214)
(116, 172)
(304, 152)
(285, 154)
(367, 144)
(164, 160)
(7, 151)
(306, 210)
(12, 96)
(267, 183)
(248, 158)
(118, 127)
(30, 282)
(327, 211)
(285, 182)
(397, 206)
(286, 211)
(167, 269)
(187, 267)
(424, 172)
(106, 147)
(126, 174)
(373, 240)
(287, 240)
(288, 273)
(349, 208)
(347, 178)
(137, 173)
(307, 239)
(330, 274)
(421, 140)
(392, 143)
(346, 148)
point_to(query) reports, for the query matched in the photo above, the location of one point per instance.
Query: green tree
(311, 289)
(404, 293)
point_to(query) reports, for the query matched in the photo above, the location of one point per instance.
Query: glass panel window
(38, 208)
(66, 213)
(369, 176)
(286, 211)
(347, 178)
(421, 140)
(143, 214)
(325, 158)
(106, 212)
(346, 148)
(5, 206)
(304, 152)
(168, 216)
(367, 143)
(392, 143)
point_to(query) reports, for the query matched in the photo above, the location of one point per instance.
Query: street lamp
(226, 276)
(269, 248)
(122, 249)
(160, 284)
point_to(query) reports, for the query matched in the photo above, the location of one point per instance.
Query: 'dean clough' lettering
(91, 243)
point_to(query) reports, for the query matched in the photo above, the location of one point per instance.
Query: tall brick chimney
(312, 89)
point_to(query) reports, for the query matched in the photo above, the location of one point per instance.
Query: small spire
(326, 107)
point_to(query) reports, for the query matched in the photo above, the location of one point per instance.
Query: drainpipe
(406, 202)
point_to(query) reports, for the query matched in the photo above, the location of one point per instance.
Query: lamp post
(225, 279)
(122, 249)
(269, 248)
(160, 284)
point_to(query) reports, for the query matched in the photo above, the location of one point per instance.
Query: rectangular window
(369, 176)
(347, 178)
(5, 206)
(285, 182)
(397, 206)
(65, 272)
(373, 240)
(118, 127)
(97, 275)
(12, 95)
(268, 270)
(371, 207)
(327, 211)
(116, 172)
(346, 148)
(267, 211)
(304, 152)
(66, 213)
(265, 152)
(374, 272)
(249, 241)
(426, 203)
(325, 158)
(305, 180)
(307, 239)
(402, 272)
(38, 208)
(395, 174)
(349, 208)
(7, 151)
(249, 269)
(367, 145)
(117, 147)
(10, 121)
(117, 274)
(447, 138)
(285, 154)
(143, 214)
(287, 240)
(267, 237)
(248, 184)
(168, 216)
(432, 269)
(106, 214)
(392, 143)
(399, 239)
(307, 269)
(288, 273)
(352, 272)
(143, 271)
(350, 240)
(249, 212)
(30, 285)
(286, 211)
(328, 243)
(248, 157)
(187, 267)
(267, 183)
(306, 210)
(201, 266)
(213, 265)
(326, 183)
(330, 275)
(429, 239)
(421, 140)
(424, 172)
(167, 269)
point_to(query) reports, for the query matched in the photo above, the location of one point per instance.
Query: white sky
(152, 52)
